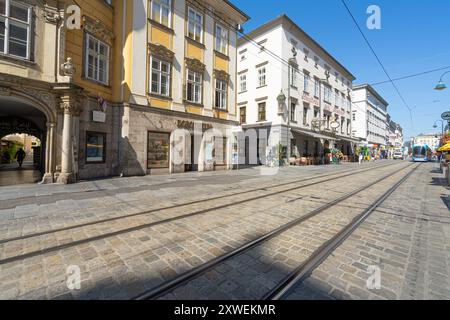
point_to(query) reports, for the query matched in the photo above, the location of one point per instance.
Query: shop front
(175, 142)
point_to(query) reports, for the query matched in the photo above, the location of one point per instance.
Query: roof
(237, 9)
(372, 91)
(284, 19)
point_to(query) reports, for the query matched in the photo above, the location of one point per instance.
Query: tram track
(98, 221)
(175, 218)
(187, 277)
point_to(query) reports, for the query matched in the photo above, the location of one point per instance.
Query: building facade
(369, 116)
(296, 106)
(179, 85)
(433, 140)
(103, 84)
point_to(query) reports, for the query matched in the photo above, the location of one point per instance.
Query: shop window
(158, 150)
(95, 147)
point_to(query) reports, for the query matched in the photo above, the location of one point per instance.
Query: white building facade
(297, 106)
(369, 116)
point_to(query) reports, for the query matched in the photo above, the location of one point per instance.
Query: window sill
(242, 92)
(159, 96)
(195, 104)
(219, 109)
(160, 25)
(222, 55)
(261, 86)
(17, 60)
(96, 82)
(95, 162)
(195, 42)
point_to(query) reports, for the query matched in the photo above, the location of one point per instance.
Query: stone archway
(22, 113)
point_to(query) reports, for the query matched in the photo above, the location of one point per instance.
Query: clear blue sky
(414, 38)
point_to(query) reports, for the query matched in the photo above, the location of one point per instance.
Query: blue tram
(421, 153)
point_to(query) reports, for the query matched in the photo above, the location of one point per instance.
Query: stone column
(70, 108)
(49, 154)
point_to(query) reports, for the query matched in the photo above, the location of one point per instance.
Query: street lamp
(435, 127)
(441, 85)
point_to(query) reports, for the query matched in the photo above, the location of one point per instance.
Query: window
(243, 115)
(316, 113)
(243, 82)
(293, 76)
(95, 147)
(306, 82)
(337, 98)
(15, 26)
(348, 126)
(328, 117)
(97, 60)
(342, 124)
(305, 114)
(316, 62)
(262, 111)
(160, 77)
(161, 11)
(221, 39)
(327, 94)
(262, 77)
(293, 112)
(316, 87)
(194, 87)
(158, 148)
(221, 94)
(195, 25)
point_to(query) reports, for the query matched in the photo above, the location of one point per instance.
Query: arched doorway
(23, 118)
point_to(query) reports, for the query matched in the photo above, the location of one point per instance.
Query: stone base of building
(66, 178)
(47, 179)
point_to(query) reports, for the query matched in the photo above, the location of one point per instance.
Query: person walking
(20, 156)
(360, 157)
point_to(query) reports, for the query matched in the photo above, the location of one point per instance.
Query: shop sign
(190, 125)
(446, 116)
(98, 116)
(311, 100)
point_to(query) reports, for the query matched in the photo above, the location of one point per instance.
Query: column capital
(70, 104)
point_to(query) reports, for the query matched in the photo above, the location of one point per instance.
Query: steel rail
(81, 225)
(195, 272)
(306, 268)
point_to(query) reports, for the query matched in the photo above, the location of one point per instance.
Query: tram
(421, 153)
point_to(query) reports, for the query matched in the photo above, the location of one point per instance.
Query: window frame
(162, 5)
(195, 23)
(306, 79)
(259, 112)
(97, 42)
(223, 40)
(222, 92)
(261, 76)
(244, 115)
(7, 19)
(241, 82)
(104, 147)
(195, 84)
(160, 74)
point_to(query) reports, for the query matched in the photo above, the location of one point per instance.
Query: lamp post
(441, 84)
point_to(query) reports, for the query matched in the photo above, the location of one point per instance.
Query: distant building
(432, 140)
(369, 116)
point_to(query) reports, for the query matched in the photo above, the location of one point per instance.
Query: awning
(349, 139)
(314, 135)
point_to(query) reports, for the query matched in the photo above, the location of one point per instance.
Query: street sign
(446, 116)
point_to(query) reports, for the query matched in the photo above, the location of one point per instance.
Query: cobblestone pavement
(128, 256)
(408, 239)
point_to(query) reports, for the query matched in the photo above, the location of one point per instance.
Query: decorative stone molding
(51, 14)
(195, 65)
(98, 29)
(161, 52)
(5, 91)
(70, 105)
(221, 75)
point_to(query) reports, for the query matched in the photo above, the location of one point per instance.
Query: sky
(414, 37)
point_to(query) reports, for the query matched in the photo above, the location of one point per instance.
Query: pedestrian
(360, 157)
(20, 156)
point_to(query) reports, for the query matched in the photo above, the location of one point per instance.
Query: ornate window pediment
(161, 52)
(221, 75)
(98, 29)
(195, 65)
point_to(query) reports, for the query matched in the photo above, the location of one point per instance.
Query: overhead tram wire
(257, 45)
(411, 76)
(379, 61)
